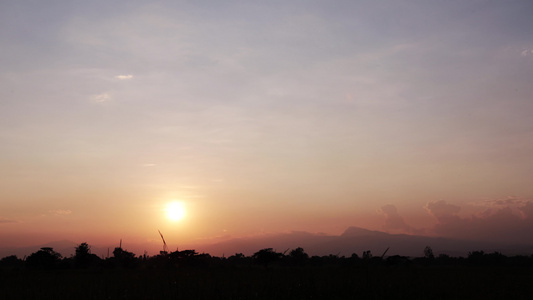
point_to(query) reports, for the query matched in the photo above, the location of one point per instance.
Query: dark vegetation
(267, 274)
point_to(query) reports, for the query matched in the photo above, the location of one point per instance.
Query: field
(272, 282)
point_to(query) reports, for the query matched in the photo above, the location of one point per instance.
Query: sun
(175, 211)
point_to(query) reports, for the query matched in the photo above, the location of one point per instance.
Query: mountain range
(357, 240)
(352, 240)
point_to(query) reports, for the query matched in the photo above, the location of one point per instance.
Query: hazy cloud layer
(503, 222)
(507, 220)
(3, 221)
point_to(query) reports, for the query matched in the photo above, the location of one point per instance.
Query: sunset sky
(263, 117)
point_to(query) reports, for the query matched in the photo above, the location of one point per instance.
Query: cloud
(443, 211)
(527, 52)
(124, 77)
(527, 211)
(503, 222)
(515, 203)
(395, 222)
(3, 221)
(61, 212)
(100, 98)
(508, 201)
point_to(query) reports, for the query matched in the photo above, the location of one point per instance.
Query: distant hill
(358, 231)
(356, 240)
(352, 240)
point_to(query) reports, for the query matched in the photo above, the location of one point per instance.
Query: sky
(265, 116)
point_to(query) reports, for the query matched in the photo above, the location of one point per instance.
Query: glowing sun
(175, 211)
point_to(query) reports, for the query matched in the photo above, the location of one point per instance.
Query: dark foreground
(272, 282)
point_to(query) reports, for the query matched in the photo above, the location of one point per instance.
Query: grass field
(275, 282)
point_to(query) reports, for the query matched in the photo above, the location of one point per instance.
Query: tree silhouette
(298, 253)
(367, 255)
(123, 257)
(239, 259)
(83, 250)
(298, 256)
(266, 256)
(83, 257)
(482, 258)
(188, 257)
(428, 253)
(11, 261)
(46, 258)
(476, 257)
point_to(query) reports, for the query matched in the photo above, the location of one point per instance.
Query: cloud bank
(508, 221)
(504, 222)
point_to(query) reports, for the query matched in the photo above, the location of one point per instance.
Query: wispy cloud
(100, 98)
(61, 212)
(527, 52)
(124, 77)
(510, 201)
(3, 221)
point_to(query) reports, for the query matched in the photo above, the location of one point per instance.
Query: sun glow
(175, 211)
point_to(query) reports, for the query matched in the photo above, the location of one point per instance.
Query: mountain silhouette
(353, 231)
(352, 240)
(357, 240)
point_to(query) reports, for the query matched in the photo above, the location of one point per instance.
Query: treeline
(47, 258)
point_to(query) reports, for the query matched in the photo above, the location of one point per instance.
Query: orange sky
(263, 118)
